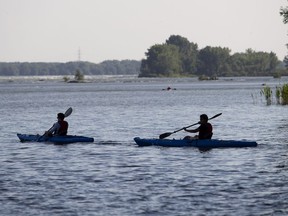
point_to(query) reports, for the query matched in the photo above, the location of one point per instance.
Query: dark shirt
(63, 128)
(205, 131)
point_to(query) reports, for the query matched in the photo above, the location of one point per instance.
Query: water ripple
(112, 176)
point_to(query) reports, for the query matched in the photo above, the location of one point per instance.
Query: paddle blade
(164, 135)
(215, 116)
(68, 112)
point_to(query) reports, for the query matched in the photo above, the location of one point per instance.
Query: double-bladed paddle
(67, 113)
(164, 135)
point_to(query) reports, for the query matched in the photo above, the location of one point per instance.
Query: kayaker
(205, 129)
(60, 128)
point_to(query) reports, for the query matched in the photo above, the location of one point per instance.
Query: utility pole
(79, 55)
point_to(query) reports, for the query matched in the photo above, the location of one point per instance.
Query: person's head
(60, 116)
(203, 118)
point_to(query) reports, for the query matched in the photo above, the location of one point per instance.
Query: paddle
(67, 113)
(164, 135)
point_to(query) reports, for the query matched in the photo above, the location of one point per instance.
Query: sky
(99, 30)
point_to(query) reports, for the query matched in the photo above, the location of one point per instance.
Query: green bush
(267, 92)
(282, 94)
(79, 76)
(66, 78)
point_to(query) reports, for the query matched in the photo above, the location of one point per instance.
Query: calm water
(112, 176)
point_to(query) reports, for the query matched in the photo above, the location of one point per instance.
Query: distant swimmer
(168, 89)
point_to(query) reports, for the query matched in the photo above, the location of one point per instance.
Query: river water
(112, 176)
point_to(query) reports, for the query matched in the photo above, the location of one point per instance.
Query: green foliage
(278, 95)
(176, 57)
(277, 74)
(286, 61)
(179, 57)
(66, 79)
(282, 94)
(204, 77)
(79, 76)
(162, 60)
(267, 92)
(188, 53)
(284, 13)
(253, 63)
(113, 67)
(212, 60)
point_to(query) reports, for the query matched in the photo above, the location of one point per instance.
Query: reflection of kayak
(213, 143)
(54, 139)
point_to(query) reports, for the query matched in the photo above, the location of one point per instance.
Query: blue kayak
(212, 143)
(54, 139)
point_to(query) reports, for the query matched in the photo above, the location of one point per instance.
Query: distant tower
(79, 55)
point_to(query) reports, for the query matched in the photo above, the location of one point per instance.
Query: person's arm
(192, 131)
(54, 128)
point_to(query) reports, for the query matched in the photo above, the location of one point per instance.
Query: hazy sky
(54, 30)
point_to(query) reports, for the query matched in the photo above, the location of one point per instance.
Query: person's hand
(47, 133)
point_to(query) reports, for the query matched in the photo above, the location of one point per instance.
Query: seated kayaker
(205, 129)
(60, 128)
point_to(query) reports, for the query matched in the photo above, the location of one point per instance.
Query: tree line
(177, 57)
(284, 14)
(111, 67)
(180, 57)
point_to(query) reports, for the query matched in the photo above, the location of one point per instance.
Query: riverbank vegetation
(114, 67)
(78, 77)
(179, 57)
(267, 93)
(281, 94)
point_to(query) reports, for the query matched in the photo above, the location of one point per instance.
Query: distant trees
(176, 57)
(179, 57)
(253, 63)
(284, 14)
(79, 76)
(113, 67)
(213, 61)
(187, 53)
(162, 60)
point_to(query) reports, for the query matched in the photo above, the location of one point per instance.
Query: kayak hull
(213, 143)
(54, 139)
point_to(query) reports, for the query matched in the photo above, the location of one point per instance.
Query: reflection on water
(112, 176)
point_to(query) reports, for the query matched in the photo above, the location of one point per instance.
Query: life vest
(205, 131)
(63, 128)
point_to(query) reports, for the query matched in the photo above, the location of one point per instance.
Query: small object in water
(169, 88)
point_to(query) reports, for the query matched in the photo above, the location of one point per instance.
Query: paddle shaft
(198, 123)
(162, 136)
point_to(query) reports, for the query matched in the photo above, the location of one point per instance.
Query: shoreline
(128, 79)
